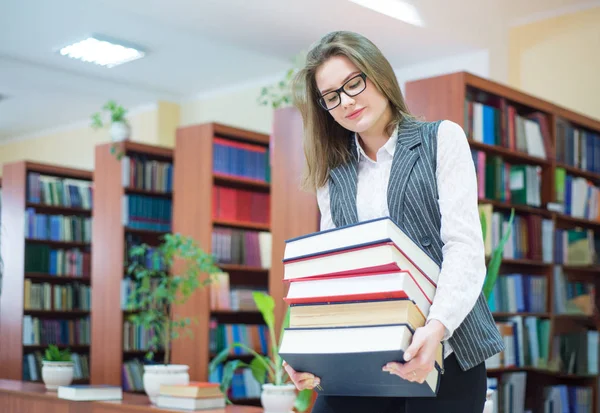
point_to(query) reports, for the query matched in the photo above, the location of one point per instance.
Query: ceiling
(197, 46)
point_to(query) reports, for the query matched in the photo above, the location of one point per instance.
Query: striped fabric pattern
(412, 202)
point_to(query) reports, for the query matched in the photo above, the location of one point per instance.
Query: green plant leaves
(496, 259)
(53, 353)
(303, 400)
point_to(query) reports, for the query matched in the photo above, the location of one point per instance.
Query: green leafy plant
(496, 258)
(264, 368)
(279, 95)
(156, 289)
(117, 114)
(53, 353)
(116, 111)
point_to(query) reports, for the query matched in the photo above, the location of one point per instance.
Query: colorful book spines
(147, 213)
(241, 159)
(57, 227)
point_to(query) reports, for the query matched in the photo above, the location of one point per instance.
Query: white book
(189, 403)
(90, 392)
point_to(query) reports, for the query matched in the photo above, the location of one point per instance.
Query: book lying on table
(349, 360)
(191, 396)
(86, 392)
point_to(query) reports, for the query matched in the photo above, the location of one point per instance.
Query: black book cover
(359, 374)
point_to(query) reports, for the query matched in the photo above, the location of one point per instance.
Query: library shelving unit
(134, 197)
(223, 183)
(544, 161)
(45, 249)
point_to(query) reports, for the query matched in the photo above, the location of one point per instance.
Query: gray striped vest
(412, 201)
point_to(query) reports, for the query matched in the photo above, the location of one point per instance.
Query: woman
(367, 157)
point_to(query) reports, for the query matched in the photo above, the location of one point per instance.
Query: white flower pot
(119, 131)
(57, 373)
(155, 375)
(278, 399)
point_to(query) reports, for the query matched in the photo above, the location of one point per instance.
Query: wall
(558, 59)
(235, 106)
(73, 145)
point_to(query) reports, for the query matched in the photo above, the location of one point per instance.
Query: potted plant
(119, 128)
(155, 292)
(278, 392)
(491, 277)
(57, 367)
(279, 95)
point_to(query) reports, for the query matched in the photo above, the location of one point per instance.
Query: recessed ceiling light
(394, 8)
(102, 51)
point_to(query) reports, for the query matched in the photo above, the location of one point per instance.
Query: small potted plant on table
(279, 394)
(155, 292)
(57, 368)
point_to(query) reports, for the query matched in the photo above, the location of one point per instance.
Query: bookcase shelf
(34, 194)
(127, 190)
(200, 179)
(449, 97)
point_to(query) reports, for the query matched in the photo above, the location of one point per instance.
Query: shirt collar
(389, 147)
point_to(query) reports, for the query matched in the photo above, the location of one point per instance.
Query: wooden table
(26, 397)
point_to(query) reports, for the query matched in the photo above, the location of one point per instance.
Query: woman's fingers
(301, 380)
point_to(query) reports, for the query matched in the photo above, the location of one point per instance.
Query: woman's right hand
(302, 381)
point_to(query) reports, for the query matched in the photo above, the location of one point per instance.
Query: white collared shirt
(463, 268)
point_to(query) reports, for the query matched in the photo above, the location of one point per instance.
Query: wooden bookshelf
(445, 97)
(197, 174)
(18, 192)
(110, 234)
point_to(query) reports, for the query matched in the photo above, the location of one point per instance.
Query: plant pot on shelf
(278, 399)
(155, 375)
(489, 402)
(57, 373)
(120, 131)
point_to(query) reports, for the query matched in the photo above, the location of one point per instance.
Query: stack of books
(192, 396)
(357, 294)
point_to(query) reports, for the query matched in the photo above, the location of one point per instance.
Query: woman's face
(357, 113)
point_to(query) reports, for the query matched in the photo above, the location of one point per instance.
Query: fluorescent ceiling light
(102, 51)
(397, 9)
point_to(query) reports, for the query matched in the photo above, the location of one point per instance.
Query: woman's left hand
(421, 354)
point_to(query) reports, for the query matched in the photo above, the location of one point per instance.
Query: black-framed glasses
(351, 87)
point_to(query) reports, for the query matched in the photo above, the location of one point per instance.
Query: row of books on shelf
(519, 293)
(32, 366)
(140, 172)
(72, 332)
(509, 395)
(531, 236)
(576, 246)
(57, 227)
(147, 212)
(527, 344)
(57, 191)
(255, 336)
(132, 375)
(136, 337)
(243, 205)
(241, 159)
(526, 341)
(500, 124)
(577, 147)
(60, 262)
(243, 383)
(572, 297)
(518, 184)
(243, 247)
(224, 296)
(46, 296)
(577, 196)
